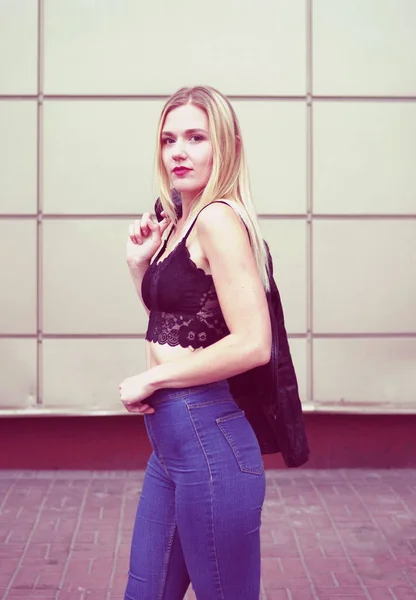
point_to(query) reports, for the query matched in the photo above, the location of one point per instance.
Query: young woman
(202, 278)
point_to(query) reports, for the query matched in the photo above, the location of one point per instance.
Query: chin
(183, 187)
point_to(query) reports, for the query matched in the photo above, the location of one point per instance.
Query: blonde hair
(229, 176)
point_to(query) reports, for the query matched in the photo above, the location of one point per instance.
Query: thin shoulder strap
(163, 248)
(194, 221)
(169, 234)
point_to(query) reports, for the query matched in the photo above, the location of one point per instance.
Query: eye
(197, 138)
(167, 141)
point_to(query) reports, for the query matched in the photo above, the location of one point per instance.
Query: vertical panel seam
(39, 204)
(309, 199)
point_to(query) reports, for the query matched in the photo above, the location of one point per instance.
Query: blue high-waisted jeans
(199, 512)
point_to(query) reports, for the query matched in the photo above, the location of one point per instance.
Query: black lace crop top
(183, 302)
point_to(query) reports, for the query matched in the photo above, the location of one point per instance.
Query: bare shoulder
(220, 217)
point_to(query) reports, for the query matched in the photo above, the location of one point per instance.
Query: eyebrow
(187, 132)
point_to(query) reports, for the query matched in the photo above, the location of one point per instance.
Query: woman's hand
(133, 391)
(144, 239)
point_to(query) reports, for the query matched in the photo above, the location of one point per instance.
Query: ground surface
(326, 534)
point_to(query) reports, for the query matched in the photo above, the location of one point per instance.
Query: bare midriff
(158, 354)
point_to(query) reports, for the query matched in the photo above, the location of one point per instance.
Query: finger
(138, 231)
(144, 223)
(146, 411)
(131, 234)
(134, 404)
(151, 225)
(134, 235)
(133, 409)
(163, 224)
(130, 406)
(138, 408)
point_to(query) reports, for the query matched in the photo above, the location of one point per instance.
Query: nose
(178, 151)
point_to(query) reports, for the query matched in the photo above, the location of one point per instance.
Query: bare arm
(243, 303)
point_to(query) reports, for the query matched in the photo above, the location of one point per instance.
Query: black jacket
(269, 394)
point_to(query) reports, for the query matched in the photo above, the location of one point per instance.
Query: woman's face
(186, 150)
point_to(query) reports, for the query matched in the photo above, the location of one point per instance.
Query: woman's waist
(159, 354)
(212, 392)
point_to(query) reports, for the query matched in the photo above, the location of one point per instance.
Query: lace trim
(185, 331)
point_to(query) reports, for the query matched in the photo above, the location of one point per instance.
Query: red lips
(181, 170)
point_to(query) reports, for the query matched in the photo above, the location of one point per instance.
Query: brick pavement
(335, 534)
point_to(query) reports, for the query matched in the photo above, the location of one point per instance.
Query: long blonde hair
(229, 176)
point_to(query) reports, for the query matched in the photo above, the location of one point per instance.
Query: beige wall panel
(99, 156)
(18, 157)
(287, 242)
(365, 372)
(92, 371)
(364, 157)
(18, 46)
(364, 276)
(364, 48)
(131, 48)
(86, 283)
(274, 135)
(18, 276)
(17, 373)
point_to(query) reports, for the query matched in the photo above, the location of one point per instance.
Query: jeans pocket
(243, 442)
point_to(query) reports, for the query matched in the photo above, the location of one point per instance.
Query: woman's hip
(202, 428)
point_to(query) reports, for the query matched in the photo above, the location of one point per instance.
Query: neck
(188, 201)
